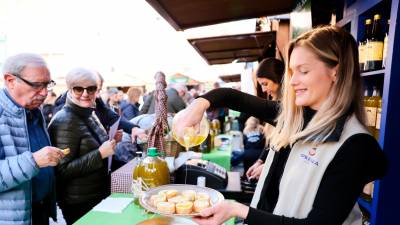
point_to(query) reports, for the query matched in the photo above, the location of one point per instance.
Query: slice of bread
(185, 207)
(166, 207)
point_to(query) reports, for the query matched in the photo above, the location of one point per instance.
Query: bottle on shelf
(362, 51)
(216, 125)
(371, 109)
(378, 102)
(208, 144)
(365, 97)
(374, 46)
(385, 44)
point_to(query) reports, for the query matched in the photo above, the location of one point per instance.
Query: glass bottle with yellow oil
(371, 106)
(362, 50)
(378, 103)
(208, 144)
(152, 171)
(385, 44)
(216, 126)
(374, 46)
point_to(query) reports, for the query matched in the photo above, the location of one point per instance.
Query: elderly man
(26, 159)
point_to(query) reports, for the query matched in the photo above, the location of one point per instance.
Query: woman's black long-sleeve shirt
(358, 161)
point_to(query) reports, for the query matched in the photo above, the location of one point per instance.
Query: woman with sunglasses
(321, 152)
(82, 176)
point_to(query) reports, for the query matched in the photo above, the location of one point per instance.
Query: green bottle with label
(152, 170)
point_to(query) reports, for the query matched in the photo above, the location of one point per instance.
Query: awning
(230, 78)
(184, 14)
(239, 48)
(180, 78)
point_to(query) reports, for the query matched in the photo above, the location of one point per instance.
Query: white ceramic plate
(215, 196)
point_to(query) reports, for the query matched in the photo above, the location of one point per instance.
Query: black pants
(73, 212)
(250, 156)
(40, 212)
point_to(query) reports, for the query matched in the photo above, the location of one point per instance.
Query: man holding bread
(26, 158)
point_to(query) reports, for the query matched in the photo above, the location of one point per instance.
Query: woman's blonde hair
(334, 47)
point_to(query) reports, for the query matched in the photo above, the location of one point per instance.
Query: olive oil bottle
(378, 102)
(371, 109)
(375, 46)
(152, 170)
(362, 50)
(385, 44)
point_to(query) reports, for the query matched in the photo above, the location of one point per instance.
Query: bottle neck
(376, 29)
(367, 32)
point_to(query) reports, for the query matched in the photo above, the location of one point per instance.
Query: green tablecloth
(133, 214)
(222, 158)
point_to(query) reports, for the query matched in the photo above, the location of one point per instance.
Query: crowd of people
(57, 149)
(306, 143)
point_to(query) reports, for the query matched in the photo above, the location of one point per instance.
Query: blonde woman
(130, 107)
(322, 152)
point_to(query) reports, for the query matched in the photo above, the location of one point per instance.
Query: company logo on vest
(309, 159)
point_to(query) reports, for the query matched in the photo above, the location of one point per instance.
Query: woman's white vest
(303, 173)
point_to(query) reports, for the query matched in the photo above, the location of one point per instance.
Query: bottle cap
(152, 152)
(368, 21)
(377, 17)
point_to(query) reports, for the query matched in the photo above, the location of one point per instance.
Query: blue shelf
(384, 206)
(373, 73)
(365, 204)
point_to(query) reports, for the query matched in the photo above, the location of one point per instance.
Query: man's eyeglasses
(79, 90)
(37, 85)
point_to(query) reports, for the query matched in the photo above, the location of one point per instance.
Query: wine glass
(190, 136)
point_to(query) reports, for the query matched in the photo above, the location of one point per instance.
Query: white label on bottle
(378, 119)
(371, 116)
(361, 53)
(385, 43)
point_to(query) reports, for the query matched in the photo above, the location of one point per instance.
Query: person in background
(48, 106)
(27, 182)
(269, 75)
(193, 92)
(130, 107)
(82, 176)
(218, 113)
(114, 100)
(175, 103)
(322, 153)
(121, 96)
(253, 142)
